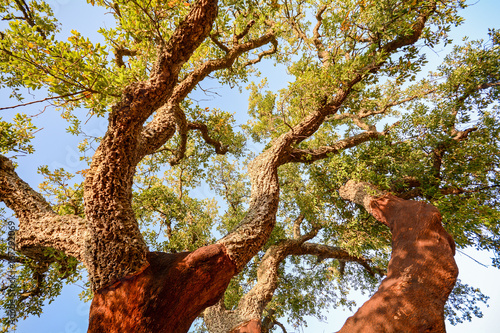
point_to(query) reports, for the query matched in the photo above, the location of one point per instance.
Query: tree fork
(422, 270)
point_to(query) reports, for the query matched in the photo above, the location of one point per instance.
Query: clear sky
(57, 149)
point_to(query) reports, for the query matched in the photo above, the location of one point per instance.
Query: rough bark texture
(422, 270)
(39, 225)
(247, 317)
(115, 243)
(167, 296)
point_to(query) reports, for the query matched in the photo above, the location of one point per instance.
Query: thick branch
(114, 234)
(252, 232)
(159, 130)
(249, 312)
(39, 226)
(421, 272)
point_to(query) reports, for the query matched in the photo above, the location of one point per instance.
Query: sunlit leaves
(15, 136)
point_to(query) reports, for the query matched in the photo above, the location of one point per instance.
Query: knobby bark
(248, 316)
(39, 226)
(422, 270)
(115, 242)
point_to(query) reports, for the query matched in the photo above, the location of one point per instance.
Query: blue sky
(57, 149)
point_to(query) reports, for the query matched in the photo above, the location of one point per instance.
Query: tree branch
(238, 37)
(203, 129)
(28, 17)
(311, 155)
(251, 233)
(122, 52)
(253, 303)
(217, 42)
(263, 54)
(160, 129)
(39, 226)
(45, 99)
(323, 55)
(422, 271)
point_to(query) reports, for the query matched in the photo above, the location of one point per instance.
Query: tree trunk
(167, 296)
(422, 270)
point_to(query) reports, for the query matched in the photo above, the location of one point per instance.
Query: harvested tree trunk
(167, 296)
(422, 270)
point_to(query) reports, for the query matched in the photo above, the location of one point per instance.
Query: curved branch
(312, 155)
(252, 232)
(248, 314)
(421, 273)
(122, 52)
(39, 226)
(323, 55)
(263, 54)
(203, 129)
(114, 233)
(161, 128)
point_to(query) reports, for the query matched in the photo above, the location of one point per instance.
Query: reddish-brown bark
(421, 273)
(167, 296)
(253, 326)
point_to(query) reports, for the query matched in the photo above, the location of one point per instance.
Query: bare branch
(420, 245)
(296, 226)
(217, 42)
(263, 54)
(280, 326)
(45, 99)
(203, 129)
(323, 55)
(312, 155)
(122, 52)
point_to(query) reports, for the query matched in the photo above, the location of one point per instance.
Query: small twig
(43, 100)
(465, 254)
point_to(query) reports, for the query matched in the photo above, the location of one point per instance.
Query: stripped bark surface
(421, 273)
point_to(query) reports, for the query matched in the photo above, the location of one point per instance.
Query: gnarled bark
(115, 243)
(248, 316)
(39, 225)
(422, 270)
